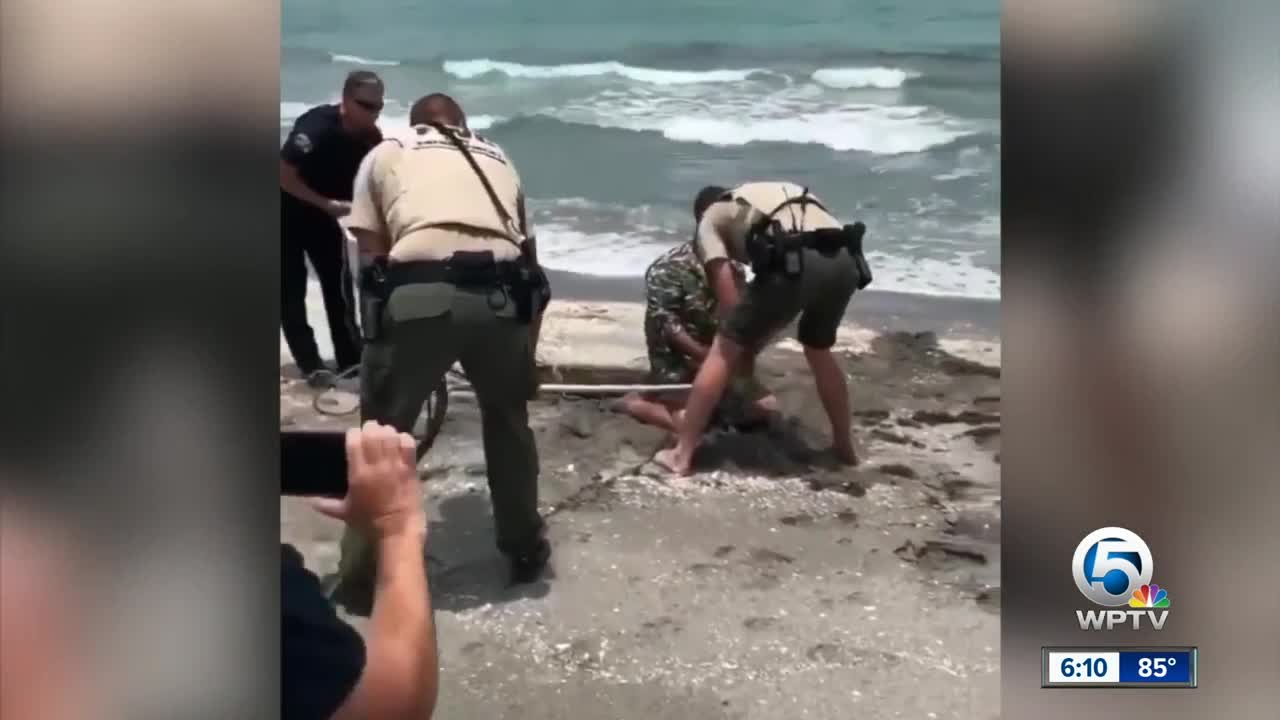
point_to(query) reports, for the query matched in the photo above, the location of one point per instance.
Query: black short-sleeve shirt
(326, 155)
(321, 657)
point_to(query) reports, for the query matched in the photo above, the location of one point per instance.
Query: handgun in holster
(531, 291)
(854, 233)
(759, 251)
(773, 250)
(375, 291)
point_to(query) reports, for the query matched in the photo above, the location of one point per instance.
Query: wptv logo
(1112, 567)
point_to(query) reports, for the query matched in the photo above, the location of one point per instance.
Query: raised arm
(401, 672)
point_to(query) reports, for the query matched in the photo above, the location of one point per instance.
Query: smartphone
(313, 462)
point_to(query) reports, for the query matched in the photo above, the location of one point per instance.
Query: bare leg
(834, 394)
(647, 411)
(707, 389)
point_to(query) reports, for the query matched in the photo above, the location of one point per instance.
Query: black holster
(530, 289)
(520, 288)
(855, 233)
(771, 250)
(531, 293)
(375, 290)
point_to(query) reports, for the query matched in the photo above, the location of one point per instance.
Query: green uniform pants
(426, 329)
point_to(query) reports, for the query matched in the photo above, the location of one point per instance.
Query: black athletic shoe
(528, 567)
(321, 379)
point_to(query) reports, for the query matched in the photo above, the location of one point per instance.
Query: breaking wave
(838, 78)
(880, 131)
(956, 276)
(357, 60)
(796, 115)
(471, 69)
(880, 78)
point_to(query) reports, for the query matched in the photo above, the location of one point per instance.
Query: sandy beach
(771, 584)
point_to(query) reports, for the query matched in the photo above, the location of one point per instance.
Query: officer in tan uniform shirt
(449, 288)
(806, 264)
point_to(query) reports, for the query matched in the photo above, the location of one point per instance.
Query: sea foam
(881, 78)
(357, 60)
(471, 69)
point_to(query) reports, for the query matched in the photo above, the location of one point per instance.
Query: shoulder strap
(513, 229)
(804, 198)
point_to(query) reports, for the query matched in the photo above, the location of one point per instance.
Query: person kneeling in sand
(681, 320)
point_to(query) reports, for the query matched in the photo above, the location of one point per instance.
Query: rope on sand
(458, 381)
(337, 402)
(332, 396)
(553, 389)
(611, 389)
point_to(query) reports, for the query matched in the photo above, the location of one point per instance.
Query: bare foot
(846, 454)
(669, 460)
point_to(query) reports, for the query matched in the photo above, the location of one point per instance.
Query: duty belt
(525, 284)
(470, 270)
(829, 240)
(773, 250)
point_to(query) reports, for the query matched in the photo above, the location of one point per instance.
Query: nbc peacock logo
(1149, 596)
(1112, 567)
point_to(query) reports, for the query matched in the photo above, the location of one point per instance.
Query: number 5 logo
(1109, 564)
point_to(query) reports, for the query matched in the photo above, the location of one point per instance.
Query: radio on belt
(1119, 667)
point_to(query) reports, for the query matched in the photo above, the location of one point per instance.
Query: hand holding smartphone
(313, 463)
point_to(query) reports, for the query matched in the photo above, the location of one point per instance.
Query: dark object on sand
(434, 409)
(313, 462)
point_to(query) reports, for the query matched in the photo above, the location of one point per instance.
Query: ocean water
(617, 113)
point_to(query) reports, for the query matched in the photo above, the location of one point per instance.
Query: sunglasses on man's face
(373, 106)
